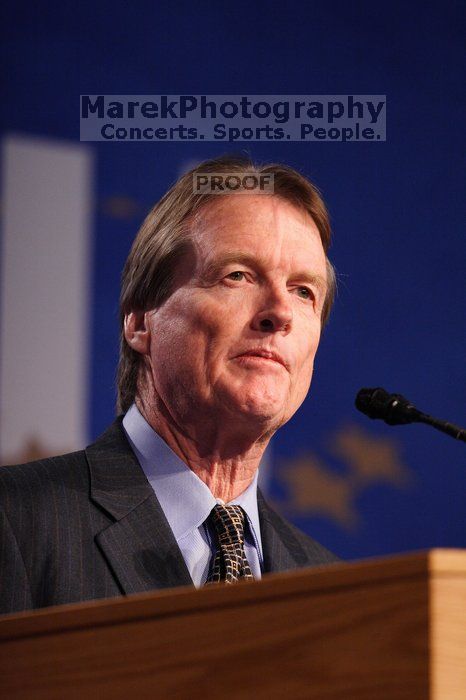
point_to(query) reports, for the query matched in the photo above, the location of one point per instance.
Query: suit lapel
(139, 545)
(275, 548)
(281, 549)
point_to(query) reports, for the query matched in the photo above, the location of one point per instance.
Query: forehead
(263, 225)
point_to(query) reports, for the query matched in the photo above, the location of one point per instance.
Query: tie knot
(229, 524)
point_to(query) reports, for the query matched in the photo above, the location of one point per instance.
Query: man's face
(236, 340)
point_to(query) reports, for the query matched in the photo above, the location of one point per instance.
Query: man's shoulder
(42, 472)
(69, 469)
(311, 546)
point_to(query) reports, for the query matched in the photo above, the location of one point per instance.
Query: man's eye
(304, 293)
(237, 276)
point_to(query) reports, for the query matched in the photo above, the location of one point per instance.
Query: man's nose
(275, 314)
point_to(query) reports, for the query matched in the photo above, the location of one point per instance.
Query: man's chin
(268, 413)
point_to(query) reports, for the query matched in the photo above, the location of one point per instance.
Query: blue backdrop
(397, 210)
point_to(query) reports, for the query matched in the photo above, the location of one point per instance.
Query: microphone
(394, 409)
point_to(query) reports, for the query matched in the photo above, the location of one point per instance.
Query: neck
(225, 462)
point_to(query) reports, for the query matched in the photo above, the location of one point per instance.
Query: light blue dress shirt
(187, 501)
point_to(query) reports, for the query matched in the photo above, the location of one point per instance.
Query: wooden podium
(373, 630)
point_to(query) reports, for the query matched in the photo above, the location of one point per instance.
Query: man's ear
(137, 332)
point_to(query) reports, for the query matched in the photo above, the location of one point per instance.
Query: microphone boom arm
(394, 409)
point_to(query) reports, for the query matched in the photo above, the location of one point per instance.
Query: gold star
(313, 489)
(370, 458)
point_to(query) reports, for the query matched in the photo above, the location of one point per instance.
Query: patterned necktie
(229, 563)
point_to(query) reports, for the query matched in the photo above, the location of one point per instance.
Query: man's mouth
(264, 355)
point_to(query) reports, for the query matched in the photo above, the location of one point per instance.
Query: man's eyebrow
(310, 278)
(214, 266)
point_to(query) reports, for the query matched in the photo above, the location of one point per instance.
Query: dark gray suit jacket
(88, 525)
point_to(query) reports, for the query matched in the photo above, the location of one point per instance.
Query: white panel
(44, 317)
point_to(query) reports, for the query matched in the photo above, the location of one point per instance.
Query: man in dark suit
(222, 305)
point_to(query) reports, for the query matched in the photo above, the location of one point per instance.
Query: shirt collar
(185, 499)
